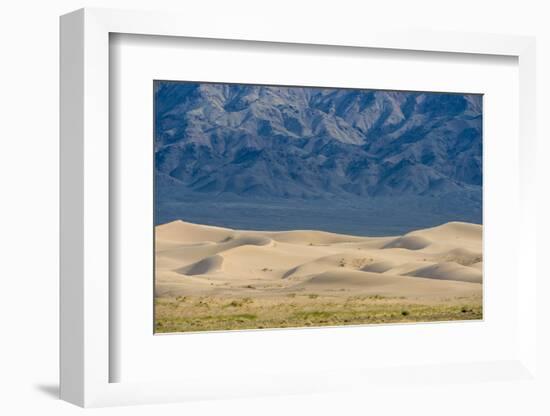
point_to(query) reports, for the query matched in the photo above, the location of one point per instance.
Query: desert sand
(234, 273)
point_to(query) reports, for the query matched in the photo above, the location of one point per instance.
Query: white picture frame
(86, 356)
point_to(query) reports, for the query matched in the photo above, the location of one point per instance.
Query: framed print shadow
(289, 206)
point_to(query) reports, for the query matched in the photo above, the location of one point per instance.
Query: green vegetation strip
(212, 314)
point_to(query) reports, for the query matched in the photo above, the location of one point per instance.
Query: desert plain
(211, 278)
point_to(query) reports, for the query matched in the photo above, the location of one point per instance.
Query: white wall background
(29, 205)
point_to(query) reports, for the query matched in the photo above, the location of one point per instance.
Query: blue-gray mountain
(290, 145)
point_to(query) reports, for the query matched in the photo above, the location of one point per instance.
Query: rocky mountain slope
(290, 143)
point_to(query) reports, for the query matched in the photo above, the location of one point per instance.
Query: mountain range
(300, 143)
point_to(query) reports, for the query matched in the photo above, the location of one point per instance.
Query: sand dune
(185, 232)
(435, 263)
(409, 242)
(380, 266)
(207, 265)
(312, 237)
(448, 271)
(386, 285)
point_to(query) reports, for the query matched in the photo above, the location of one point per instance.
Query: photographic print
(291, 206)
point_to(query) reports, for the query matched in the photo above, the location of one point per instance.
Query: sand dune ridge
(440, 261)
